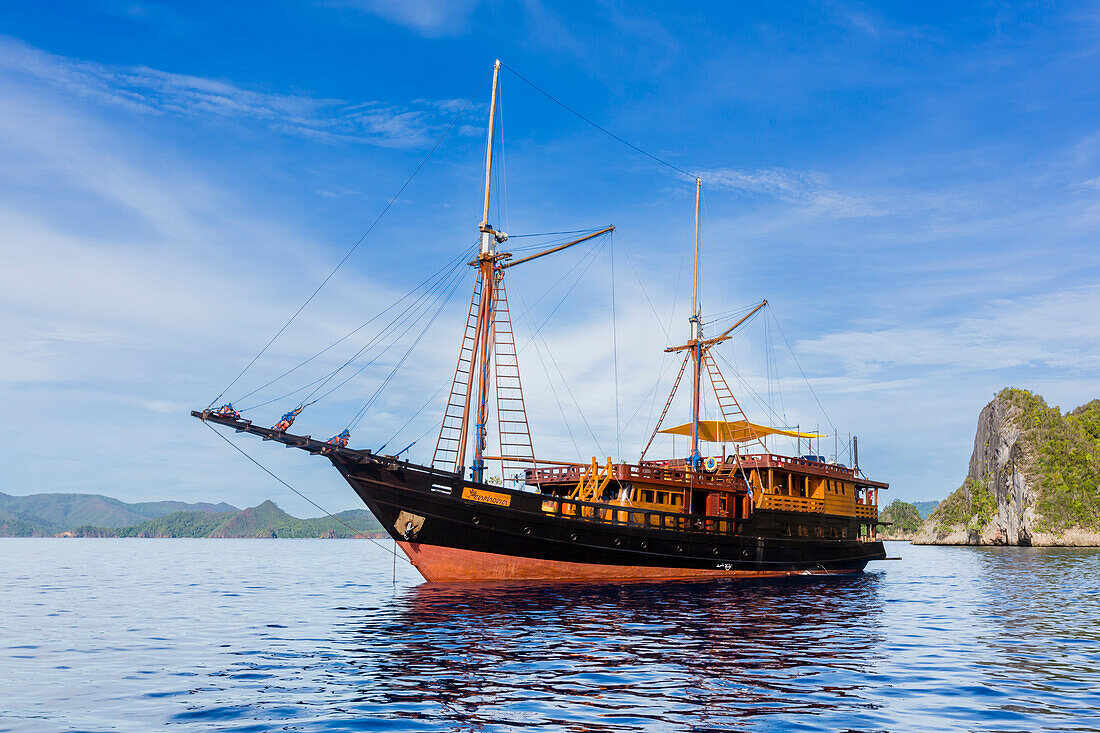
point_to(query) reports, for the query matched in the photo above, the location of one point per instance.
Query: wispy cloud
(807, 189)
(1047, 331)
(431, 18)
(151, 91)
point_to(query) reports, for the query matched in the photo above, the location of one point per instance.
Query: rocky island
(1034, 478)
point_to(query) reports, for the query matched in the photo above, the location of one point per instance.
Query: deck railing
(866, 511)
(792, 503)
(629, 472)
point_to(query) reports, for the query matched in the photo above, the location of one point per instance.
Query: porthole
(679, 548)
(714, 550)
(644, 544)
(475, 520)
(573, 536)
(618, 541)
(527, 530)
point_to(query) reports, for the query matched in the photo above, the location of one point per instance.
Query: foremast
(489, 342)
(475, 352)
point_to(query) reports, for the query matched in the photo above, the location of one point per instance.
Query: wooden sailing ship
(732, 515)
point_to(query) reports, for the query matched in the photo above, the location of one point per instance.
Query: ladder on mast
(513, 431)
(727, 403)
(450, 432)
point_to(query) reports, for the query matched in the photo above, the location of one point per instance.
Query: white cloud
(432, 18)
(806, 189)
(1059, 331)
(151, 91)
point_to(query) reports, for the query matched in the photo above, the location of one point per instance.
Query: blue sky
(915, 189)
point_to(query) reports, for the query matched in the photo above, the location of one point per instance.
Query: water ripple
(317, 636)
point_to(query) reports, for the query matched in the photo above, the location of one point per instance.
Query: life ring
(710, 464)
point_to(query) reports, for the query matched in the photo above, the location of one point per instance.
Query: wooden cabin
(721, 497)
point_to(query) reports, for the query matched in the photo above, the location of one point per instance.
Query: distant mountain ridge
(93, 515)
(68, 511)
(925, 508)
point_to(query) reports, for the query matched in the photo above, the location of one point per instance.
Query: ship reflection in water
(304, 635)
(586, 656)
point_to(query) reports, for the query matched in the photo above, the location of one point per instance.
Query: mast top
(696, 332)
(489, 237)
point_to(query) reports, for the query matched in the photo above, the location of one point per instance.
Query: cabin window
(803, 531)
(677, 500)
(787, 530)
(647, 496)
(844, 532)
(819, 532)
(832, 532)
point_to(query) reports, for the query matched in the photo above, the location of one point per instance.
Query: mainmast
(696, 340)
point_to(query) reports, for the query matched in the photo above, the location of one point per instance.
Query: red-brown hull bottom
(448, 565)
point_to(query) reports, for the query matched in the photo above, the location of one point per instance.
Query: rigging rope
(440, 288)
(414, 416)
(552, 234)
(266, 470)
(414, 310)
(536, 333)
(626, 252)
(803, 373)
(354, 247)
(354, 331)
(363, 411)
(605, 131)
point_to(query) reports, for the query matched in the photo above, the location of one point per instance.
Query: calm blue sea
(314, 635)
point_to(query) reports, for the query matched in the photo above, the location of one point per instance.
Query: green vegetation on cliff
(972, 505)
(905, 517)
(1061, 460)
(1066, 455)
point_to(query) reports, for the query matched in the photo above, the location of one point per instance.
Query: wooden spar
(696, 335)
(533, 460)
(489, 146)
(559, 248)
(695, 281)
(725, 335)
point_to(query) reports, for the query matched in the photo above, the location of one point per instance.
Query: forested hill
(91, 515)
(59, 512)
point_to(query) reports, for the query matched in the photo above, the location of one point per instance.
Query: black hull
(453, 538)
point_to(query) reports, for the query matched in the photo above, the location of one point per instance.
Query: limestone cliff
(1034, 478)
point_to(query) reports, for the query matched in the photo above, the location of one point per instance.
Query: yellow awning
(734, 431)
